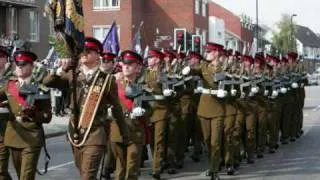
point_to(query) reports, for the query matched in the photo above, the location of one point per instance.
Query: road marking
(59, 166)
(306, 115)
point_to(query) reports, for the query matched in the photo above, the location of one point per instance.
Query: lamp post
(292, 32)
(257, 24)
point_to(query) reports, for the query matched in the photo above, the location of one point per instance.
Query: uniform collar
(25, 80)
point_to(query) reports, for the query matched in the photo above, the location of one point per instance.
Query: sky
(270, 11)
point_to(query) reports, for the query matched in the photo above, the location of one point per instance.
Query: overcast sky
(270, 11)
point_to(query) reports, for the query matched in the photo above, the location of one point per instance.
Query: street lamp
(292, 31)
(257, 24)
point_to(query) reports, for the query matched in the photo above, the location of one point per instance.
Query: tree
(283, 40)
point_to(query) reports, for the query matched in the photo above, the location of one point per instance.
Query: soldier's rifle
(34, 92)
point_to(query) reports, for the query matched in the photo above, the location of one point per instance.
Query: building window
(13, 21)
(204, 37)
(34, 25)
(204, 9)
(100, 32)
(197, 6)
(197, 31)
(106, 4)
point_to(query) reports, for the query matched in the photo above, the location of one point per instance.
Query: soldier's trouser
(250, 126)
(212, 129)
(194, 133)
(301, 103)
(109, 160)
(237, 134)
(128, 161)
(272, 126)
(182, 136)
(262, 129)
(87, 160)
(4, 161)
(165, 136)
(293, 123)
(25, 161)
(285, 120)
(228, 146)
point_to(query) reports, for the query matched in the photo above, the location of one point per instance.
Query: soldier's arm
(113, 99)
(3, 96)
(54, 80)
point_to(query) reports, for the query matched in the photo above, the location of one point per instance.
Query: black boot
(272, 150)
(215, 176)
(195, 158)
(156, 175)
(250, 159)
(209, 172)
(292, 139)
(172, 171)
(230, 170)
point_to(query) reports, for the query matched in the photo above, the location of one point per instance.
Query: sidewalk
(57, 126)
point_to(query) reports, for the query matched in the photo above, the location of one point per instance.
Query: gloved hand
(254, 90)
(137, 112)
(168, 92)
(294, 85)
(274, 93)
(233, 92)
(198, 90)
(186, 70)
(221, 93)
(266, 92)
(283, 90)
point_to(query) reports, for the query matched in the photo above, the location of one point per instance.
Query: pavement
(57, 126)
(299, 160)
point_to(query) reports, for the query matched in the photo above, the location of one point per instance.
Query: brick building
(160, 17)
(238, 32)
(25, 18)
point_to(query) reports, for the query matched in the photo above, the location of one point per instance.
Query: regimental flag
(136, 42)
(111, 42)
(68, 22)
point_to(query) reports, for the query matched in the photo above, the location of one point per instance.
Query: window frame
(197, 7)
(37, 27)
(100, 7)
(104, 26)
(204, 8)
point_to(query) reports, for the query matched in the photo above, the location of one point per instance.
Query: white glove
(294, 85)
(243, 95)
(254, 90)
(137, 112)
(168, 92)
(198, 90)
(283, 90)
(251, 94)
(233, 92)
(221, 93)
(266, 92)
(274, 93)
(186, 70)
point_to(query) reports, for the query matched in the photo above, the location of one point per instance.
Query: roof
(307, 37)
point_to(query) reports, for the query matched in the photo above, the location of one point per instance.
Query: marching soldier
(189, 104)
(4, 117)
(287, 102)
(129, 157)
(229, 120)
(211, 109)
(96, 92)
(262, 106)
(246, 101)
(164, 117)
(24, 134)
(109, 164)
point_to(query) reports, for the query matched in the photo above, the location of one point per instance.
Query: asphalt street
(296, 161)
